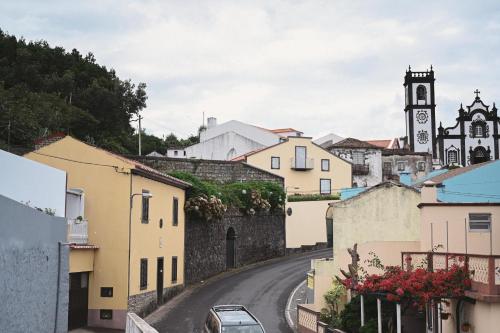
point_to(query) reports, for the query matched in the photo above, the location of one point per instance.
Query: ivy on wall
(210, 200)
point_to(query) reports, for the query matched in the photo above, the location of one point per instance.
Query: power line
(81, 162)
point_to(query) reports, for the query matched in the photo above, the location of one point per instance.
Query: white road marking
(288, 303)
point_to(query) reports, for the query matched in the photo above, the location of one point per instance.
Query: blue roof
(430, 175)
(347, 193)
(481, 184)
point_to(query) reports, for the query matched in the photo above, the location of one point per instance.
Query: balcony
(78, 231)
(360, 169)
(484, 270)
(302, 164)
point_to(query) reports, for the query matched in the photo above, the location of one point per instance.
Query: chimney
(211, 122)
(428, 193)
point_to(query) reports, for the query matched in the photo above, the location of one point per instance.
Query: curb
(289, 302)
(163, 310)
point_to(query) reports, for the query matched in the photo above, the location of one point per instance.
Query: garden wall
(257, 238)
(219, 171)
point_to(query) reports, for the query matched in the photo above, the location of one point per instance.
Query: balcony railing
(301, 164)
(484, 269)
(360, 169)
(78, 231)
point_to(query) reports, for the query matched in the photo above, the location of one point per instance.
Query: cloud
(319, 66)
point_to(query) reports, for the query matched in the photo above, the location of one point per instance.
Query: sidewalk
(298, 296)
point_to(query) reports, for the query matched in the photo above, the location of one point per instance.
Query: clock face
(422, 116)
(422, 137)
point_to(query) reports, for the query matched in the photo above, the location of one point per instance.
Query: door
(78, 300)
(159, 280)
(230, 244)
(480, 155)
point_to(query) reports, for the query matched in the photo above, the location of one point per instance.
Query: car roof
(234, 315)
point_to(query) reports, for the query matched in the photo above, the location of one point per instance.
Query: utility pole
(140, 130)
(8, 136)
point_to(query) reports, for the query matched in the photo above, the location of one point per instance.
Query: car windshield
(242, 329)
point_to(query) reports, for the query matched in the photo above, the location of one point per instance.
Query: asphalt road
(263, 289)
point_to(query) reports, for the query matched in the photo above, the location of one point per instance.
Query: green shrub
(210, 200)
(313, 197)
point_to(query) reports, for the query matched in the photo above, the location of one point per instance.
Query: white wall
(223, 147)
(31, 182)
(259, 135)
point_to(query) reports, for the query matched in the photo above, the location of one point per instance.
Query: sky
(317, 66)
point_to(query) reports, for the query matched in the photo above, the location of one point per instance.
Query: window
(161, 223)
(325, 186)
(421, 93)
(106, 291)
(145, 208)
(106, 314)
(480, 222)
(174, 269)
(478, 131)
(176, 153)
(401, 166)
(358, 157)
(184, 152)
(387, 168)
(144, 274)
(175, 212)
(300, 157)
(421, 166)
(325, 165)
(275, 162)
(452, 157)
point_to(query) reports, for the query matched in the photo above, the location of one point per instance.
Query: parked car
(232, 319)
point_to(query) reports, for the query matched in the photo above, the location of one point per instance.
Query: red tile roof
(353, 143)
(385, 143)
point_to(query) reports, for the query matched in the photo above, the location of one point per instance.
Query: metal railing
(484, 269)
(78, 231)
(302, 164)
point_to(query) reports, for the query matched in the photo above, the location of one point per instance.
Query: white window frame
(327, 161)
(403, 163)
(420, 166)
(324, 192)
(485, 220)
(455, 153)
(273, 159)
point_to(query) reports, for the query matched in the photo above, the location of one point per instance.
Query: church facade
(473, 139)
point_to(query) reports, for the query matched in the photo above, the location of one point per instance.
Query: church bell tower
(420, 108)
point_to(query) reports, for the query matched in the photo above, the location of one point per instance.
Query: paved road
(264, 290)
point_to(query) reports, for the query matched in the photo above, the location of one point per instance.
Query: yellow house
(307, 169)
(133, 258)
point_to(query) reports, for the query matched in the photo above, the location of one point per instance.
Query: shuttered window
(175, 212)
(358, 157)
(144, 274)
(145, 208)
(174, 269)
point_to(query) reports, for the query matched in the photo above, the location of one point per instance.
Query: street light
(145, 195)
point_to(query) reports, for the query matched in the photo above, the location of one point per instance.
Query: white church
(473, 139)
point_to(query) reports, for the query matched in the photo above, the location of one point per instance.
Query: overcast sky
(317, 66)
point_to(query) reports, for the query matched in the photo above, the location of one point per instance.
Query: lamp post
(146, 195)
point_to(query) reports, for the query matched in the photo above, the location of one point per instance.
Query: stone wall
(145, 303)
(219, 171)
(258, 238)
(34, 278)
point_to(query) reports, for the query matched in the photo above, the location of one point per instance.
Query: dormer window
(421, 93)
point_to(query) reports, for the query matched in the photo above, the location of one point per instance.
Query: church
(473, 139)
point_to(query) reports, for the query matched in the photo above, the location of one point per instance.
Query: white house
(32, 183)
(234, 138)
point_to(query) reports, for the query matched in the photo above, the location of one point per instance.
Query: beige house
(470, 230)
(307, 169)
(383, 219)
(131, 257)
